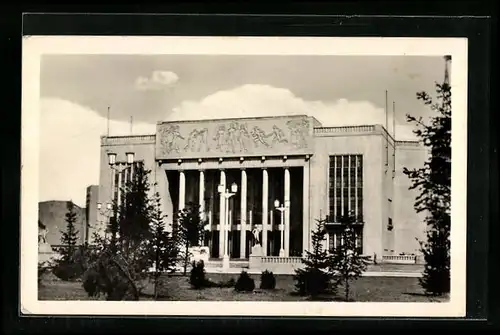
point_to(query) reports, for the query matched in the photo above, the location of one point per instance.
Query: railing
(344, 129)
(281, 260)
(128, 139)
(408, 143)
(401, 259)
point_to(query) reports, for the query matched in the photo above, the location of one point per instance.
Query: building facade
(314, 171)
(91, 201)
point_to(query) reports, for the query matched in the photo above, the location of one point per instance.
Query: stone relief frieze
(233, 137)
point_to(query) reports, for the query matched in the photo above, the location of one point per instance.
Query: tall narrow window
(346, 186)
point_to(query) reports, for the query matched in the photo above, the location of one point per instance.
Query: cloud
(157, 81)
(263, 100)
(70, 133)
(70, 148)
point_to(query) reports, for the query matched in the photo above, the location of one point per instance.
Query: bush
(312, 282)
(267, 280)
(244, 283)
(230, 283)
(197, 276)
(68, 271)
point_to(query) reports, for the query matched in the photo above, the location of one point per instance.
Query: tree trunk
(186, 259)
(155, 294)
(347, 289)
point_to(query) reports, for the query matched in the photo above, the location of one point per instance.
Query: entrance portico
(251, 211)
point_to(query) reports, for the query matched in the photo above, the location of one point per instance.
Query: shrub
(68, 271)
(267, 280)
(110, 276)
(197, 276)
(312, 282)
(244, 283)
(230, 283)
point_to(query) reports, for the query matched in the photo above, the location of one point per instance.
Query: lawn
(177, 288)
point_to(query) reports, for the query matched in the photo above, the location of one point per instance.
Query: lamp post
(119, 168)
(282, 210)
(226, 195)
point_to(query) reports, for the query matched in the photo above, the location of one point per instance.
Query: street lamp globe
(111, 158)
(130, 157)
(99, 205)
(220, 188)
(276, 203)
(234, 187)
(109, 206)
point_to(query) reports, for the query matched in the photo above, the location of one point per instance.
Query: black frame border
(481, 155)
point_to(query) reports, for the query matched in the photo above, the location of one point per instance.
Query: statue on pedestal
(257, 248)
(43, 245)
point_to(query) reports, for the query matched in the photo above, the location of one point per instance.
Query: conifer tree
(348, 263)
(433, 181)
(69, 237)
(162, 248)
(316, 276)
(189, 230)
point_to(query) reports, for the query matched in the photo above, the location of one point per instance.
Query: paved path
(234, 270)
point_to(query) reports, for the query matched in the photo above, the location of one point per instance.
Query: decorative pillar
(243, 214)
(182, 190)
(306, 231)
(119, 189)
(201, 197)
(287, 212)
(222, 215)
(265, 200)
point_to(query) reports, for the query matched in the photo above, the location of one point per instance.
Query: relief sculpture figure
(298, 132)
(277, 135)
(171, 137)
(220, 137)
(243, 137)
(259, 137)
(231, 139)
(197, 140)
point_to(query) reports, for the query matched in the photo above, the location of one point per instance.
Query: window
(335, 238)
(123, 176)
(346, 186)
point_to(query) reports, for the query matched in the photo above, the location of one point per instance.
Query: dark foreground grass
(177, 288)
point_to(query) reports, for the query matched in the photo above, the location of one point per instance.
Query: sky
(76, 91)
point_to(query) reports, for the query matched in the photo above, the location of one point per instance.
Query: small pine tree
(189, 230)
(134, 213)
(70, 265)
(162, 249)
(433, 181)
(316, 277)
(347, 262)
(197, 276)
(69, 237)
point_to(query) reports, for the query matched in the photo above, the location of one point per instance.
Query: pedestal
(282, 252)
(225, 262)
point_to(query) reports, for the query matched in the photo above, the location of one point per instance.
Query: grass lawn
(177, 288)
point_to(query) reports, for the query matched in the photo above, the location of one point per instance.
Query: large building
(91, 201)
(315, 171)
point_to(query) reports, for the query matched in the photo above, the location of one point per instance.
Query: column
(222, 215)
(306, 231)
(182, 190)
(243, 213)
(119, 195)
(287, 212)
(265, 200)
(201, 197)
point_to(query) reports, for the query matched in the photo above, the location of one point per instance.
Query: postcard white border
(35, 46)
